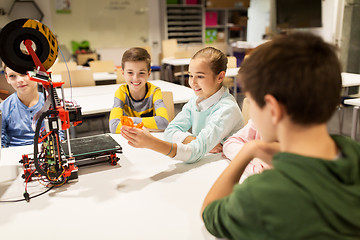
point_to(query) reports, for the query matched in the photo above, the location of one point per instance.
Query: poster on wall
(63, 6)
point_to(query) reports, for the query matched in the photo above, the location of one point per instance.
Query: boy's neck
(312, 141)
(138, 95)
(29, 100)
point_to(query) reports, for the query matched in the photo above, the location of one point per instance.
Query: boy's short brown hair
(301, 71)
(136, 55)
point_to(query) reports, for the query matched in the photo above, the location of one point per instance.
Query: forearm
(166, 148)
(188, 139)
(231, 176)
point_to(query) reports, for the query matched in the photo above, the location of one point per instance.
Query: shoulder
(9, 101)
(122, 90)
(152, 88)
(227, 105)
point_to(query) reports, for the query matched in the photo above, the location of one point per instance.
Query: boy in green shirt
(313, 190)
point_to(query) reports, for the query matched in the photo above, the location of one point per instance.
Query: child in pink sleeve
(234, 143)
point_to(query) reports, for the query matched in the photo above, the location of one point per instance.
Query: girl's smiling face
(202, 79)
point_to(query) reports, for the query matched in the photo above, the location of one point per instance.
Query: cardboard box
(211, 18)
(82, 59)
(220, 37)
(227, 4)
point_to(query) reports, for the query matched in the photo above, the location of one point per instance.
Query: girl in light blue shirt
(212, 113)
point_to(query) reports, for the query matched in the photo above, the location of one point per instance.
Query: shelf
(184, 23)
(215, 27)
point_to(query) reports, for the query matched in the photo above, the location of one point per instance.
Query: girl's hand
(138, 138)
(217, 149)
(260, 149)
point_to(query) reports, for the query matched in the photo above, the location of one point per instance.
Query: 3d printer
(29, 47)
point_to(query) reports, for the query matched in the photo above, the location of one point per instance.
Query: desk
(98, 77)
(232, 73)
(356, 103)
(149, 197)
(100, 99)
(182, 62)
(351, 80)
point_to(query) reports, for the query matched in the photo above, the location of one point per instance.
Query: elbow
(162, 123)
(112, 128)
(113, 125)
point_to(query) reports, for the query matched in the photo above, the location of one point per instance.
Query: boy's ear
(220, 77)
(277, 110)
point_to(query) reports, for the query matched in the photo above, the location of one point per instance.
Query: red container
(192, 2)
(211, 18)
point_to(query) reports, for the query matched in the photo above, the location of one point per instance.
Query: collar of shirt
(207, 103)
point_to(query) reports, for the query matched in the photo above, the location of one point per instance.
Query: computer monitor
(298, 14)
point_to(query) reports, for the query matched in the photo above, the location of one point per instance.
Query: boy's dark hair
(4, 66)
(301, 71)
(218, 60)
(136, 55)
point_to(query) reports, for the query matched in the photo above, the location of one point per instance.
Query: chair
(169, 104)
(169, 47)
(232, 63)
(102, 66)
(119, 76)
(245, 109)
(59, 67)
(79, 78)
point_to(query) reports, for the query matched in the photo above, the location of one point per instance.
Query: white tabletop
(100, 99)
(149, 197)
(353, 102)
(98, 76)
(350, 79)
(176, 61)
(230, 72)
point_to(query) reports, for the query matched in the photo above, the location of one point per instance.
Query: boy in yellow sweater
(138, 99)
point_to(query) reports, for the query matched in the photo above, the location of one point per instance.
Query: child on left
(18, 109)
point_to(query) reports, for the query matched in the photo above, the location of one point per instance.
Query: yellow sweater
(150, 110)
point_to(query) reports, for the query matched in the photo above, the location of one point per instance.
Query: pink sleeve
(234, 143)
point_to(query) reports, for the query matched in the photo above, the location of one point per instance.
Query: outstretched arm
(231, 175)
(141, 138)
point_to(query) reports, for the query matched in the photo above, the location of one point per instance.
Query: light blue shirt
(16, 121)
(212, 121)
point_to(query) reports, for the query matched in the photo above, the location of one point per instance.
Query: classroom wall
(259, 19)
(106, 24)
(44, 5)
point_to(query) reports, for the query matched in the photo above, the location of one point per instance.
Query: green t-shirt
(300, 198)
